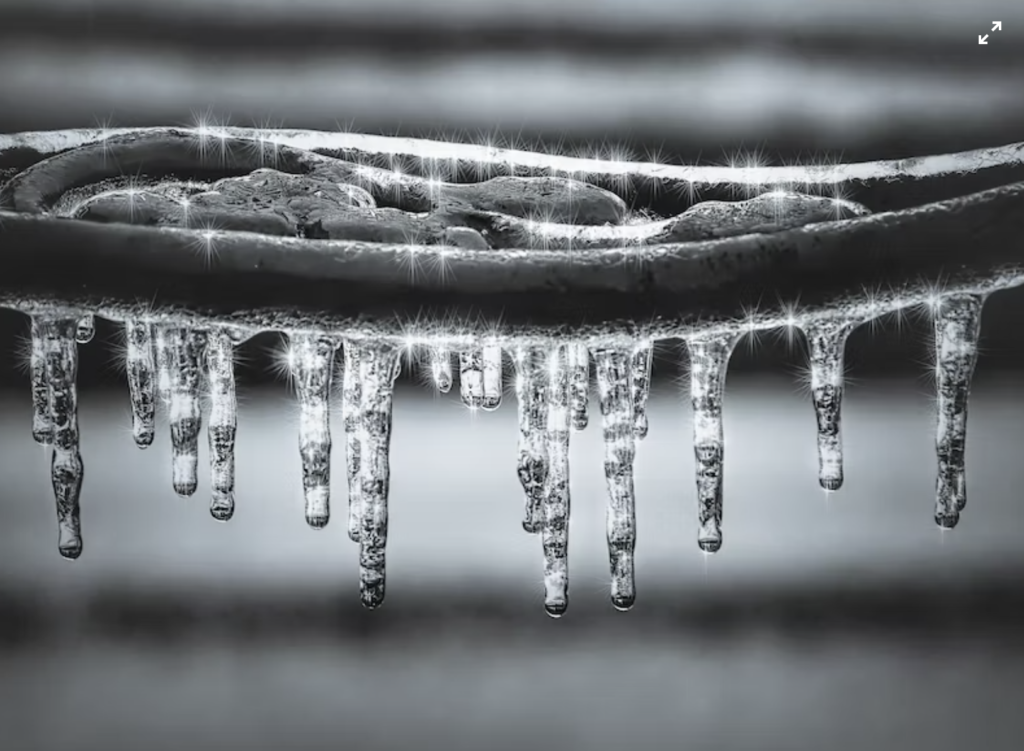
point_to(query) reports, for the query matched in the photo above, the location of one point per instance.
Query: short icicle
(532, 464)
(827, 342)
(441, 368)
(492, 377)
(709, 362)
(471, 378)
(85, 329)
(618, 401)
(380, 365)
(640, 386)
(351, 404)
(142, 378)
(163, 361)
(185, 347)
(311, 361)
(42, 418)
(556, 500)
(223, 424)
(957, 332)
(579, 375)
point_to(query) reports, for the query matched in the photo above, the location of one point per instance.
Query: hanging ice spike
(827, 341)
(223, 424)
(555, 504)
(480, 377)
(184, 363)
(142, 380)
(531, 397)
(957, 331)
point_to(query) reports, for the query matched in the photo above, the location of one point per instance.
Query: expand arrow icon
(997, 26)
(982, 39)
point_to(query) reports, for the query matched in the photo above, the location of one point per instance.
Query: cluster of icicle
(172, 366)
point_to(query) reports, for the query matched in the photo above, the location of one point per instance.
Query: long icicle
(223, 424)
(533, 460)
(351, 405)
(380, 368)
(827, 341)
(618, 400)
(640, 380)
(141, 381)
(579, 369)
(311, 360)
(957, 332)
(185, 347)
(556, 498)
(709, 361)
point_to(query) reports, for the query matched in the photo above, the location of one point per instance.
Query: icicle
(42, 420)
(311, 359)
(471, 378)
(579, 395)
(827, 342)
(185, 349)
(351, 403)
(957, 330)
(492, 377)
(556, 502)
(163, 360)
(220, 374)
(379, 368)
(141, 381)
(441, 368)
(531, 397)
(66, 463)
(640, 385)
(709, 361)
(85, 329)
(618, 401)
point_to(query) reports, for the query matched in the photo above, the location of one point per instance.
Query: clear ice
(640, 386)
(555, 503)
(827, 341)
(441, 368)
(709, 361)
(492, 377)
(531, 397)
(957, 331)
(223, 423)
(579, 397)
(351, 404)
(142, 380)
(185, 376)
(471, 378)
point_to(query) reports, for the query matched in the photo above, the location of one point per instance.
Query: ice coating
(351, 404)
(957, 331)
(223, 423)
(555, 503)
(531, 398)
(492, 377)
(826, 341)
(185, 405)
(640, 386)
(616, 392)
(142, 380)
(311, 364)
(471, 378)
(579, 394)
(441, 368)
(379, 367)
(709, 361)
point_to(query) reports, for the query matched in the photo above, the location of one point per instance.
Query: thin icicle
(141, 381)
(42, 420)
(351, 404)
(618, 401)
(492, 377)
(379, 367)
(579, 375)
(640, 385)
(827, 343)
(957, 331)
(441, 368)
(531, 397)
(311, 360)
(556, 501)
(66, 463)
(709, 361)
(185, 347)
(85, 330)
(223, 426)
(471, 378)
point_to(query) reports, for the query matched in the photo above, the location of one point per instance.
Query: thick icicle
(709, 361)
(311, 360)
(471, 378)
(141, 381)
(185, 347)
(531, 397)
(579, 395)
(66, 463)
(441, 368)
(42, 419)
(351, 404)
(640, 386)
(221, 431)
(492, 377)
(163, 360)
(618, 401)
(957, 330)
(556, 501)
(85, 329)
(827, 342)
(379, 368)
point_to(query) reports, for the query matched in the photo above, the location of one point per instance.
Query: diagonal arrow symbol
(997, 26)
(982, 39)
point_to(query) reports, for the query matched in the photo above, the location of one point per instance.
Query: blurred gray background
(846, 622)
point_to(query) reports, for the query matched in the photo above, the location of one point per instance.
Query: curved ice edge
(913, 168)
